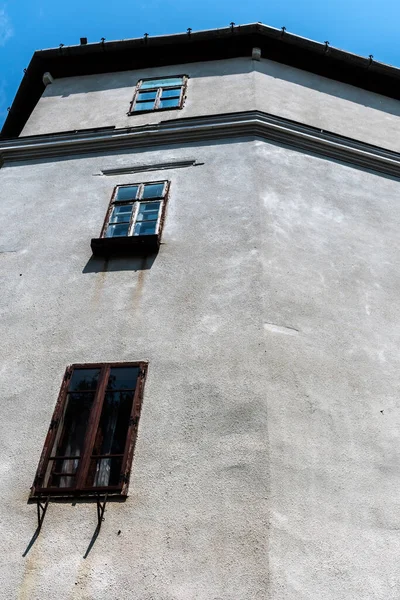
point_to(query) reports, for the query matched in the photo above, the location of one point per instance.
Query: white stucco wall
(264, 467)
(222, 86)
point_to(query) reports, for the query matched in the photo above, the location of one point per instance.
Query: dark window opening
(89, 446)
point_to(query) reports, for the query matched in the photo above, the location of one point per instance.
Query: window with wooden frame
(165, 93)
(90, 443)
(134, 219)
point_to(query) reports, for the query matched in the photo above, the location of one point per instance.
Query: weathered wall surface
(104, 100)
(327, 104)
(267, 461)
(219, 87)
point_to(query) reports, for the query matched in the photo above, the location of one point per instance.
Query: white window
(136, 210)
(159, 94)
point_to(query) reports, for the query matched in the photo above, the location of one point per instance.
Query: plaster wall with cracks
(268, 438)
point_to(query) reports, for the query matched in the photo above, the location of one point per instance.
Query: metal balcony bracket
(41, 511)
(101, 507)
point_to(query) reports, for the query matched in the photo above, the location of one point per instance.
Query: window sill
(133, 113)
(140, 245)
(112, 496)
(115, 491)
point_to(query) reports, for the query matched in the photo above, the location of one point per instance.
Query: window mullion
(135, 209)
(133, 218)
(158, 97)
(92, 427)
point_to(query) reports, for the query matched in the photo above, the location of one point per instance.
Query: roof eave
(214, 44)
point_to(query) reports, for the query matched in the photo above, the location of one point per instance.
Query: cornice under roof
(214, 44)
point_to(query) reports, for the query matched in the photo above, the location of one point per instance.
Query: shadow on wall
(101, 507)
(322, 84)
(128, 79)
(97, 264)
(235, 66)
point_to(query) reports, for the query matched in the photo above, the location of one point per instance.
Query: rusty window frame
(135, 209)
(80, 488)
(158, 90)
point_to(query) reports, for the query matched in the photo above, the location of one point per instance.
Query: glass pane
(144, 106)
(113, 428)
(127, 192)
(114, 423)
(121, 213)
(171, 102)
(174, 93)
(117, 230)
(122, 218)
(61, 473)
(59, 467)
(73, 424)
(146, 96)
(84, 379)
(104, 472)
(145, 228)
(153, 190)
(62, 481)
(70, 435)
(156, 83)
(122, 209)
(148, 211)
(123, 378)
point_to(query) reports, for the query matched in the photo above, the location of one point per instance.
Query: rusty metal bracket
(101, 507)
(41, 511)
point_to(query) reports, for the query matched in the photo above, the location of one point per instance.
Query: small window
(135, 218)
(158, 94)
(90, 443)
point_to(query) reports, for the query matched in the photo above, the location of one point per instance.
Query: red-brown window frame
(156, 108)
(113, 202)
(81, 490)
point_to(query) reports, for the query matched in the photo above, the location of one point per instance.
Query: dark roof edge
(213, 44)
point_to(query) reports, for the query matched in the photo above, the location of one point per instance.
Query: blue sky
(360, 26)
